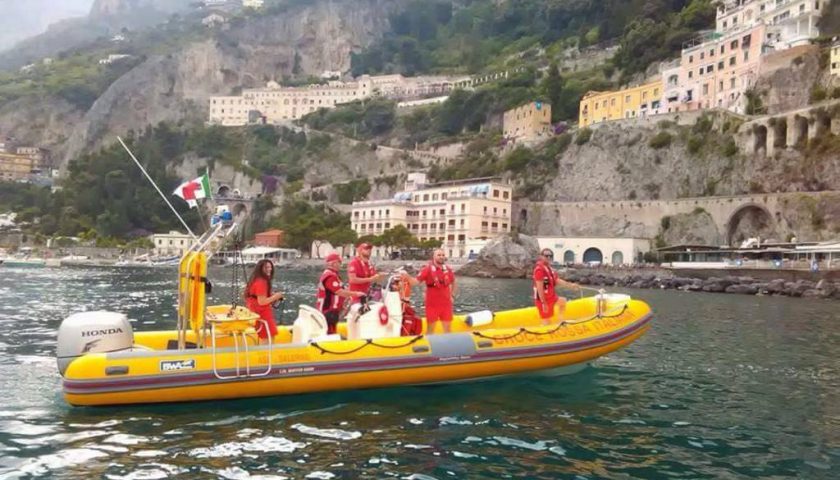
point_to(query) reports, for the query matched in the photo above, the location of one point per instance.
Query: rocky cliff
(177, 86)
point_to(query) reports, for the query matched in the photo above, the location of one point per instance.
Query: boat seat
(309, 325)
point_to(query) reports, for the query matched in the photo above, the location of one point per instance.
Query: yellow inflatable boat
(214, 354)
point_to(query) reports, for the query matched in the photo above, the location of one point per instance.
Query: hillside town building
(719, 67)
(171, 244)
(22, 163)
(276, 104)
(458, 213)
(531, 121)
(835, 58)
(629, 103)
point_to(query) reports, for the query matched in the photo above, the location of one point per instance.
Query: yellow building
(528, 122)
(631, 102)
(16, 167)
(455, 212)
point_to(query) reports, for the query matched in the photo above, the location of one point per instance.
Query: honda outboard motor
(92, 332)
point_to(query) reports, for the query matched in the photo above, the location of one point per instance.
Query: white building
(457, 212)
(171, 244)
(214, 19)
(789, 22)
(595, 250)
(253, 3)
(114, 57)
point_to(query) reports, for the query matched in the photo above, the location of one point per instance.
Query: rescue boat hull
(515, 343)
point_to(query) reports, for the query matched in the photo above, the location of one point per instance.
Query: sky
(21, 19)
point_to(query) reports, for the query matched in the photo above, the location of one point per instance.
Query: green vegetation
(364, 119)
(304, 223)
(78, 78)
(353, 191)
(104, 194)
(583, 136)
(661, 140)
(432, 36)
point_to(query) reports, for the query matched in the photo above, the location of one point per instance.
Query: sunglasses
(550, 255)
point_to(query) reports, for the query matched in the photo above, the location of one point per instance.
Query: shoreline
(664, 279)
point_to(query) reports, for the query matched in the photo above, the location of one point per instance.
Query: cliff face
(177, 87)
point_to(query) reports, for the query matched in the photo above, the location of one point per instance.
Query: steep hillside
(182, 63)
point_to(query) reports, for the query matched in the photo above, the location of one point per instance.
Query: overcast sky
(20, 19)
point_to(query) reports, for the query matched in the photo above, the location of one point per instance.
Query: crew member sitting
(331, 292)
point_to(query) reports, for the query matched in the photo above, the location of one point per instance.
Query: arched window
(617, 258)
(569, 257)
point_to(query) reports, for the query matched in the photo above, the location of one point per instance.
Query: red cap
(364, 245)
(333, 257)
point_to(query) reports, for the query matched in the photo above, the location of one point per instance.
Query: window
(426, 198)
(702, 55)
(434, 196)
(705, 89)
(711, 52)
(495, 194)
(720, 85)
(733, 45)
(504, 226)
(731, 83)
(485, 210)
(612, 102)
(722, 49)
(731, 61)
(690, 74)
(627, 99)
(710, 68)
(691, 59)
(746, 55)
(720, 65)
(505, 195)
(387, 225)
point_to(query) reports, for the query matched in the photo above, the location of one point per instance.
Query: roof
(271, 232)
(260, 250)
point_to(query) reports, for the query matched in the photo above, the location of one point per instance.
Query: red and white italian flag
(194, 190)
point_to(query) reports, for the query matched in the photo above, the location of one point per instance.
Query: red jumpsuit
(327, 300)
(361, 269)
(438, 280)
(545, 278)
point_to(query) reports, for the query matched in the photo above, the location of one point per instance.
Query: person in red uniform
(258, 297)
(546, 281)
(361, 273)
(440, 291)
(331, 292)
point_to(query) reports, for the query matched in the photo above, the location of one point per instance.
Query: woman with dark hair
(258, 297)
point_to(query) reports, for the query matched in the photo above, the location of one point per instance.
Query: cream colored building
(835, 59)
(455, 212)
(595, 250)
(171, 244)
(528, 122)
(252, 3)
(276, 104)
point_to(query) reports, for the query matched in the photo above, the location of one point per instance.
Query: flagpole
(156, 188)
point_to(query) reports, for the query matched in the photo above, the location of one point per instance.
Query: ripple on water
(235, 449)
(45, 464)
(332, 433)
